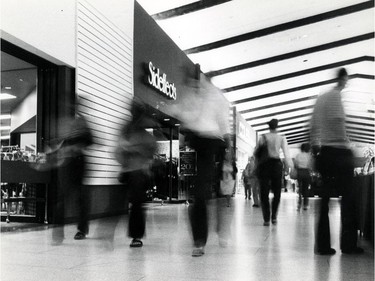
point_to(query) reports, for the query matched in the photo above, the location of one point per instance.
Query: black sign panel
(188, 163)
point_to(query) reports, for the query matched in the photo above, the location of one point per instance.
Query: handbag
(261, 152)
(293, 173)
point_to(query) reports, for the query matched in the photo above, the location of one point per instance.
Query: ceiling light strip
(300, 88)
(282, 27)
(319, 48)
(300, 73)
(186, 9)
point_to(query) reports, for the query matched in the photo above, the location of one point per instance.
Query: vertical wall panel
(104, 80)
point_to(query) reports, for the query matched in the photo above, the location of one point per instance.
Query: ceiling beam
(301, 88)
(297, 141)
(186, 9)
(282, 27)
(359, 123)
(300, 73)
(319, 48)
(284, 119)
(305, 131)
(362, 140)
(360, 129)
(307, 138)
(361, 117)
(350, 132)
(273, 114)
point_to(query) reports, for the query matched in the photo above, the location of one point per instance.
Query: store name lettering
(160, 83)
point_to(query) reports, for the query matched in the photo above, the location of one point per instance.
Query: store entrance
(165, 168)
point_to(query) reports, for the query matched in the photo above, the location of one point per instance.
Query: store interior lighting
(5, 116)
(5, 96)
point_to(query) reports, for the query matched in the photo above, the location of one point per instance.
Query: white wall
(44, 27)
(104, 79)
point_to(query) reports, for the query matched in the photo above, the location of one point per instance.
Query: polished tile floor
(253, 252)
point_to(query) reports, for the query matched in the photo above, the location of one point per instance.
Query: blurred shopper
(205, 121)
(246, 179)
(336, 166)
(135, 153)
(228, 173)
(69, 158)
(302, 164)
(270, 170)
(250, 179)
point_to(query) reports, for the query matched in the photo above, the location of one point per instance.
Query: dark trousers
(270, 174)
(247, 188)
(137, 183)
(70, 188)
(206, 149)
(304, 179)
(336, 168)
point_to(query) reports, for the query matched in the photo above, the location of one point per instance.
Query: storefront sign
(160, 83)
(188, 163)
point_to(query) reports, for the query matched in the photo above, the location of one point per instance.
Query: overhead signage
(160, 83)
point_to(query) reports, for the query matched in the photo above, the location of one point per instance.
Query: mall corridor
(254, 252)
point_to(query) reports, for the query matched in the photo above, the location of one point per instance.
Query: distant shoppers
(135, 154)
(228, 173)
(250, 181)
(270, 171)
(302, 164)
(336, 166)
(246, 179)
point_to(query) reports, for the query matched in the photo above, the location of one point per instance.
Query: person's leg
(264, 199)
(137, 222)
(138, 182)
(325, 164)
(206, 149)
(299, 203)
(305, 192)
(276, 185)
(84, 206)
(323, 234)
(255, 190)
(246, 187)
(349, 232)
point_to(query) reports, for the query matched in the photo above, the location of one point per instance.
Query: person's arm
(285, 148)
(315, 124)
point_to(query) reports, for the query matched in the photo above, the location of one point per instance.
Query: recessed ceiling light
(5, 96)
(7, 88)
(166, 119)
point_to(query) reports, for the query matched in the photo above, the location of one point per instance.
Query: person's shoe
(274, 221)
(256, 205)
(197, 252)
(328, 252)
(136, 243)
(306, 207)
(79, 236)
(266, 223)
(354, 251)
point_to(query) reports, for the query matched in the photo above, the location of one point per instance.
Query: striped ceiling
(273, 58)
